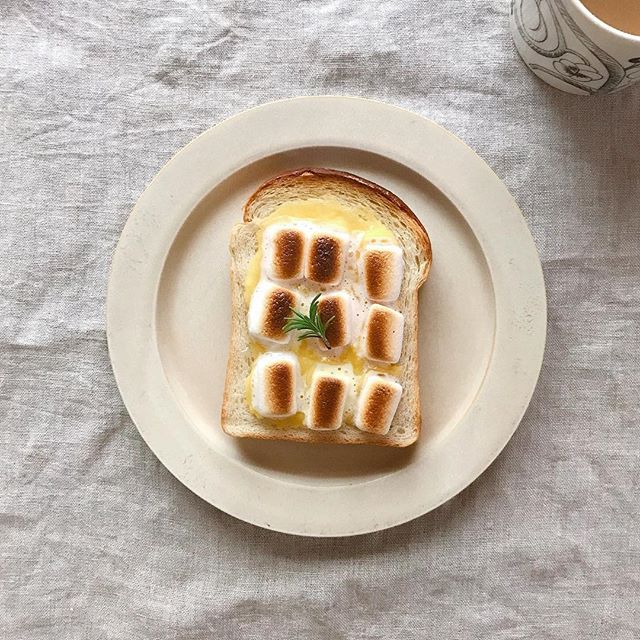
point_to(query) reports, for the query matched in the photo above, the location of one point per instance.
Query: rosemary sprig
(312, 325)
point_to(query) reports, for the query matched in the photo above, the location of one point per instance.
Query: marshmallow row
(292, 252)
(276, 384)
(383, 327)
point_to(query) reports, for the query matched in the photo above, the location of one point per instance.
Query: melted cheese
(357, 222)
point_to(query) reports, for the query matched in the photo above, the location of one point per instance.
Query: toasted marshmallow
(377, 403)
(327, 399)
(283, 252)
(337, 306)
(382, 268)
(326, 256)
(269, 309)
(275, 382)
(383, 332)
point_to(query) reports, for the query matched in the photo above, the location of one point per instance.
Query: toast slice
(307, 184)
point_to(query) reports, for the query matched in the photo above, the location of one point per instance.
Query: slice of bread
(350, 190)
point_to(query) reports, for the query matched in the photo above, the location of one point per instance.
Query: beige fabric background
(97, 540)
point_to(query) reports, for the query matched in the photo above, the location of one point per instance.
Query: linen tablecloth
(98, 540)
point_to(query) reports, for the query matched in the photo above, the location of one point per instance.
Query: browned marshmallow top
(382, 268)
(336, 306)
(326, 257)
(287, 258)
(377, 404)
(278, 305)
(327, 401)
(383, 332)
(280, 388)
(275, 383)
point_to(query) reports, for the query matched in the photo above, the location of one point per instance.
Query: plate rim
(133, 368)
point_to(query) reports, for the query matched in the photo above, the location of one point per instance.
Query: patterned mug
(569, 48)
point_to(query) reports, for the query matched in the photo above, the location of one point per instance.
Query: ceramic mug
(569, 48)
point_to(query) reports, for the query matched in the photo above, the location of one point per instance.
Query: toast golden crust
(309, 183)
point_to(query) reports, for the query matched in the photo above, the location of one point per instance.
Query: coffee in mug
(619, 14)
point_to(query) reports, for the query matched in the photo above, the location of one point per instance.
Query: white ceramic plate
(482, 317)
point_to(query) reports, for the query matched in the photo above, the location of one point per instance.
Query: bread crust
(412, 220)
(237, 420)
